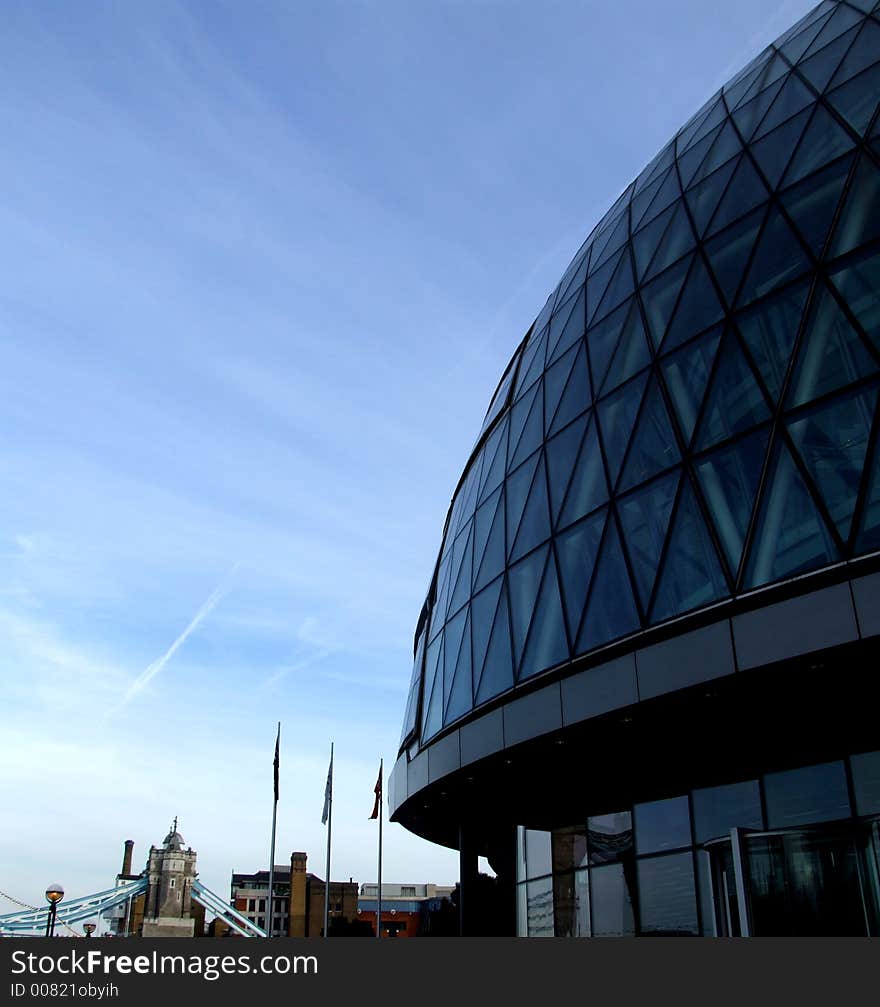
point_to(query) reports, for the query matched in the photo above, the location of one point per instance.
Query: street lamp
(89, 929)
(54, 894)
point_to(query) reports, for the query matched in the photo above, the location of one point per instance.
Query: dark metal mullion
(865, 481)
(854, 387)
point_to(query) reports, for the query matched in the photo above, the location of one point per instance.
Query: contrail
(152, 670)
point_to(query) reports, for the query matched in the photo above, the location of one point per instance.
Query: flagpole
(379, 890)
(269, 905)
(329, 828)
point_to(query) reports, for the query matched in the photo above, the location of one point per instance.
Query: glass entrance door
(812, 882)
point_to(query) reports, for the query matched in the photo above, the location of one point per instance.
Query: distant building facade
(298, 903)
(406, 908)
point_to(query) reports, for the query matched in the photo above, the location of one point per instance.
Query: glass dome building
(645, 670)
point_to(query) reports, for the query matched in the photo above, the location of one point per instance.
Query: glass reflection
(612, 889)
(667, 897)
(610, 837)
(803, 796)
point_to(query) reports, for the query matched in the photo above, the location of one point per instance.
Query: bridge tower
(171, 871)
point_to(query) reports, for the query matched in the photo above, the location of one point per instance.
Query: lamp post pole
(54, 894)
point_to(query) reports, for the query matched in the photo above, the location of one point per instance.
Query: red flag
(377, 790)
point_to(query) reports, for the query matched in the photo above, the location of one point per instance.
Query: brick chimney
(297, 911)
(126, 857)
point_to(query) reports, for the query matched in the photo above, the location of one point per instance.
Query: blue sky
(263, 264)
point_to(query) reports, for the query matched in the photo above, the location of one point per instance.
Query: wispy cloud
(152, 670)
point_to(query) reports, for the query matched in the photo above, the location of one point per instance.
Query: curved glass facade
(693, 414)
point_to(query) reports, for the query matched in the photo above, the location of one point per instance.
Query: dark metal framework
(694, 413)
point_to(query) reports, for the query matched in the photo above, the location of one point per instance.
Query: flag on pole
(328, 793)
(377, 790)
(277, 760)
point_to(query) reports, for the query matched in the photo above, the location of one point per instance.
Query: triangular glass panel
(692, 575)
(615, 239)
(534, 527)
(602, 340)
(562, 453)
(616, 415)
(737, 90)
(492, 562)
(726, 146)
(433, 667)
(790, 535)
(655, 168)
(748, 116)
(659, 298)
(517, 492)
(644, 518)
(462, 561)
(432, 715)
(547, 644)
(769, 332)
(811, 204)
(797, 44)
(857, 99)
(653, 447)
(729, 478)
(864, 52)
(728, 253)
(677, 241)
(698, 307)
(831, 353)
(778, 258)
(526, 416)
(666, 194)
(483, 521)
(704, 198)
(714, 113)
(532, 364)
(577, 550)
(822, 142)
(832, 441)
(576, 273)
(494, 461)
(524, 580)
(819, 67)
(734, 402)
(497, 673)
(555, 381)
(461, 697)
(773, 152)
(571, 327)
(453, 641)
(859, 220)
(483, 609)
(686, 373)
(792, 98)
(693, 158)
(745, 192)
(597, 284)
(441, 601)
(643, 199)
(869, 527)
(632, 352)
(840, 22)
(587, 489)
(858, 281)
(611, 609)
(576, 397)
(645, 241)
(620, 287)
